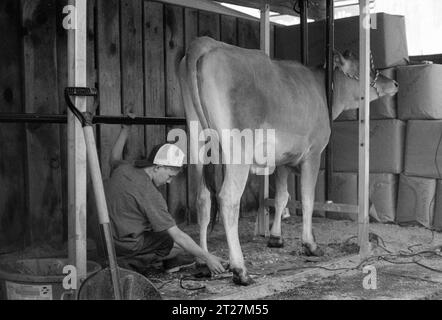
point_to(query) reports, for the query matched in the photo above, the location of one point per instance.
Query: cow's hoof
(308, 251)
(275, 242)
(241, 278)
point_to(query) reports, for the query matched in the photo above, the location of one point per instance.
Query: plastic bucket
(35, 279)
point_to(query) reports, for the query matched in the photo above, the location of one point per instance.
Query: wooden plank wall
(134, 50)
(132, 71)
(109, 75)
(13, 213)
(174, 51)
(43, 141)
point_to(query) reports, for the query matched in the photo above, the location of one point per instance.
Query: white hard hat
(169, 155)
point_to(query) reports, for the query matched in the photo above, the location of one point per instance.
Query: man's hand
(128, 126)
(215, 264)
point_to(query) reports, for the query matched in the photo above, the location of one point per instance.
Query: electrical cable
(374, 238)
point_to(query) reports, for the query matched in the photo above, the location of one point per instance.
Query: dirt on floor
(338, 239)
(398, 282)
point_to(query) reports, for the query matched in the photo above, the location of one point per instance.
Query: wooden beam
(207, 5)
(364, 127)
(262, 219)
(265, 29)
(77, 76)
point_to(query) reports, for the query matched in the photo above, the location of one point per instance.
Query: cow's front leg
(229, 199)
(281, 198)
(309, 175)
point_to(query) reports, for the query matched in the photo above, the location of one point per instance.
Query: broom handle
(103, 215)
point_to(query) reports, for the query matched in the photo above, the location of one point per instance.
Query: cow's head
(380, 85)
(347, 82)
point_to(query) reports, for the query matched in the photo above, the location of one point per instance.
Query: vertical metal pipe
(304, 31)
(304, 58)
(330, 30)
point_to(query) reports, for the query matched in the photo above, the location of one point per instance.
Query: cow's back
(244, 89)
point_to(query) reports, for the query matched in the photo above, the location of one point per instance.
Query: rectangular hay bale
(437, 218)
(383, 196)
(344, 190)
(416, 198)
(386, 146)
(423, 150)
(420, 96)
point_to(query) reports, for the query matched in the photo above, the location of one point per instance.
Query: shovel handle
(95, 172)
(100, 198)
(97, 181)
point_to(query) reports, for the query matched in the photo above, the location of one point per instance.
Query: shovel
(112, 282)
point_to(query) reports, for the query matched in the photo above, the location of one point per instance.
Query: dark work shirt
(135, 206)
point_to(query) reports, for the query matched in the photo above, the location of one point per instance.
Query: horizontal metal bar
(62, 118)
(140, 120)
(333, 207)
(33, 117)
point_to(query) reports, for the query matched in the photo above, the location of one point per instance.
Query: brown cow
(226, 87)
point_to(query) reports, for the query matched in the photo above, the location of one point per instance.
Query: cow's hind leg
(203, 204)
(309, 174)
(281, 198)
(229, 199)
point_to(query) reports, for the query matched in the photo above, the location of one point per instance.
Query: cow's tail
(213, 178)
(212, 174)
(189, 75)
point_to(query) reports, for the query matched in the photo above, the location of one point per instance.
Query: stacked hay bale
(420, 105)
(387, 131)
(405, 141)
(387, 141)
(405, 130)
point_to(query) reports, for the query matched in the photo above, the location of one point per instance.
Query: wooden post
(265, 29)
(364, 127)
(262, 219)
(77, 76)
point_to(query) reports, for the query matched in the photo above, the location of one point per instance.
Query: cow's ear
(347, 65)
(338, 60)
(348, 54)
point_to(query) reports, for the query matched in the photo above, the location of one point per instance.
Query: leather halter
(373, 83)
